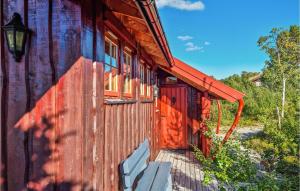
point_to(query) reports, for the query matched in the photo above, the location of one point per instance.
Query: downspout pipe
(155, 29)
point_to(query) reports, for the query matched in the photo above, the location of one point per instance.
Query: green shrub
(230, 166)
(289, 165)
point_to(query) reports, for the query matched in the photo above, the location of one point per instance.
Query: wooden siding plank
(16, 104)
(99, 134)
(112, 148)
(88, 123)
(107, 159)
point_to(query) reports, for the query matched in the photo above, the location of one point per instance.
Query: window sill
(147, 101)
(118, 101)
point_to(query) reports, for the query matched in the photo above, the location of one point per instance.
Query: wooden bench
(152, 176)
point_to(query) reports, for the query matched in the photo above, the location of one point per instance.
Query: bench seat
(152, 176)
(156, 177)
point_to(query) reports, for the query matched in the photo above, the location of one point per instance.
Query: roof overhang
(203, 82)
(141, 20)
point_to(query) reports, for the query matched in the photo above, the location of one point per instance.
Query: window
(142, 79)
(148, 82)
(127, 89)
(171, 80)
(111, 67)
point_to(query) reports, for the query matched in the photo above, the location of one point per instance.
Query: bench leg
(169, 188)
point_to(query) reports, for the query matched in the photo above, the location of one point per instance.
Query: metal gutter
(149, 11)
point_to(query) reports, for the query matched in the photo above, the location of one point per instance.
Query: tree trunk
(279, 117)
(283, 97)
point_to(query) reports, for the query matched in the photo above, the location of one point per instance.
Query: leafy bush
(279, 157)
(233, 168)
(231, 164)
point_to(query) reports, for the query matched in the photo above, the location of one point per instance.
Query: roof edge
(149, 11)
(201, 81)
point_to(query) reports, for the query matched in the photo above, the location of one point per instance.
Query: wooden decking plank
(187, 173)
(193, 175)
(186, 170)
(198, 177)
(176, 176)
(181, 171)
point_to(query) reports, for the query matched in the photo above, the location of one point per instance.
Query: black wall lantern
(155, 91)
(16, 34)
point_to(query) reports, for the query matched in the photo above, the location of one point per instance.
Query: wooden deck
(186, 171)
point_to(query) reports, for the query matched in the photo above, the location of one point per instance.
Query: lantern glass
(156, 91)
(19, 40)
(10, 40)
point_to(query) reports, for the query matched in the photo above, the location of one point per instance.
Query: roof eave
(203, 82)
(149, 12)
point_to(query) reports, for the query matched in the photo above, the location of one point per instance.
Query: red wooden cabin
(84, 95)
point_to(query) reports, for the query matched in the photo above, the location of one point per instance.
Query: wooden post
(235, 122)
(219, 116)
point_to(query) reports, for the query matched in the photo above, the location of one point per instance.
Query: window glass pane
(107, 44)
(171, 80)
(148, 82)
(129, 83)
(142, 74)
(107, 59)
(107, 52)
(113, 62)
(126, 83)
(114, 50)
(107, 77)
(113, 55)
(127, 72)
(129, 64)
(114, 83)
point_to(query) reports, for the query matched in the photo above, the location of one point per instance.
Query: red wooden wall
(122, 141)
(194, 112)
(56, 131)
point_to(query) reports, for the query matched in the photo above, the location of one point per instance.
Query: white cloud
(185, 37)
(190, 46)
(181, 4)
(206, 43)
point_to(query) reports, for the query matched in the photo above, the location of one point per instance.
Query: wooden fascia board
(209, 86)
(199, 84)
(194, 72)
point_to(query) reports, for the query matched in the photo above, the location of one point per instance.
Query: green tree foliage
(283, 49)
(258, 101)
(274, 105)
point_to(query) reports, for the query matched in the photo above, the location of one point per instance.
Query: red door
(173, 117)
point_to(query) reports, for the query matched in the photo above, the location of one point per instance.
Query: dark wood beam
(117, 27)
(123, 8)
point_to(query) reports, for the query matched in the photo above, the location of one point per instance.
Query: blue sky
(219, 37)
